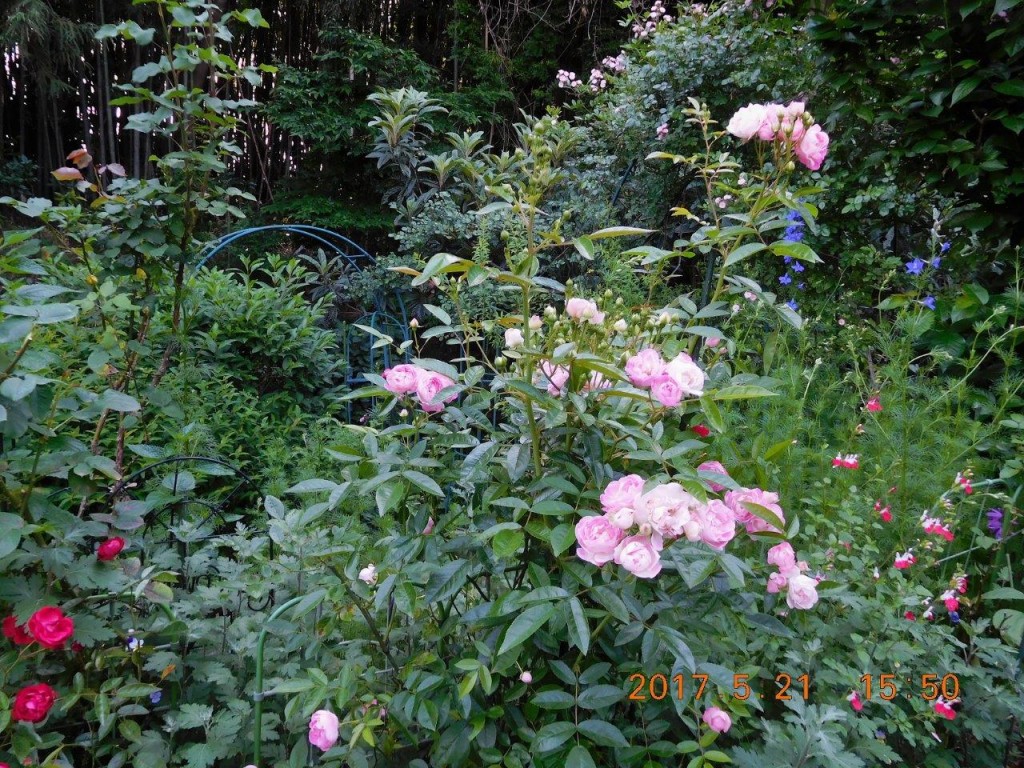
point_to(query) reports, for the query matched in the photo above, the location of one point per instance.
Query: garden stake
(259, 693)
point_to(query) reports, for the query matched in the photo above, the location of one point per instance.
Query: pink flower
(596, 381)
(557, 376)
(513, 338)
(943, 708)
(793, 122)
(716, 468)
(770, 501)
(961, 584)
(582, 309)
(323, 729)
(802, 592)
(812, 148)
(909, 616)
(644, 367)
(670, 511)
(717, 720)
(429, 527)
(874, 405)
(776, 582)
(782, 556)
(849, 461)
(666, 391)
(773, 114)
(747, 121)
(638, 555)
(886, 514)
(701, 430)
(402, 379)
(904, 560)
(369, 574)
(623, 493)
(662, 132)
(427, 388)
(687, 375)
(952, 604)
(526, 677)
(717, 524)
(855, 702)
(597, 539)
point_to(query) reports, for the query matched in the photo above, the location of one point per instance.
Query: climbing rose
(557, 376)
(50, 627)
(735, 501)
(513, 338)
(717, 524)
(776, 583)
(622, 493)
(717, 720)
(427, 387)
(110, 548)
(582, 309)
(687, 375)
(747, 121)
(666, 390)
(812, 148)
(802, 593)
(782, 556)
(33, 703)
(16, 634)
(402, 379)
(645, 367)
(639, 556)
(369, 574)
(717, 468)
(323, 729)
(597, 538)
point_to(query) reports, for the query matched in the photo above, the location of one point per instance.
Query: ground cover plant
(675, 462)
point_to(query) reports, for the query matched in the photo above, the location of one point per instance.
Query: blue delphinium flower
(995, 522)
(794, 215)
(798, 267)
(792, 305)
(794, 233)
(786, 279)
(929, 301)
(915, 267)
(944, 247)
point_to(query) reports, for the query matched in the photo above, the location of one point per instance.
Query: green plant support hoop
(259, 694)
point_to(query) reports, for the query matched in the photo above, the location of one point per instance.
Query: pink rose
(639, 556)
(770, 501)
(557, 376)
(773, 115)
(429, 384)
(776, 582)
(583, 309)
(513, 338)
(717, 720)
(667, 391)
(802, 593)
(717, 524)
(670, 511)
(793, 122)
(812, 148)
(624, 492)
(644, 367)
(402, 379)
(323, 729)
(595, 381)
(687, 375)
(782, 556)
(597, 540)
(747, 121)
(716, 468)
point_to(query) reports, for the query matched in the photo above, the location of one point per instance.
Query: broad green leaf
(579, 627)
(743, 252)
(619, 232)
(525, 626)
(579, 757)
(600, 696)
(602, 733)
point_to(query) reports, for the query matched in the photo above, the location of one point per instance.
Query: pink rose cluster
(635, 525)
(790, 124)
(669, 382)
(408, 379)
(801, 590)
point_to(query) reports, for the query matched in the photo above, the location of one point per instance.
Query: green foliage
(951, 90)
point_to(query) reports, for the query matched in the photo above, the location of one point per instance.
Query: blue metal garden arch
(388, 314)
